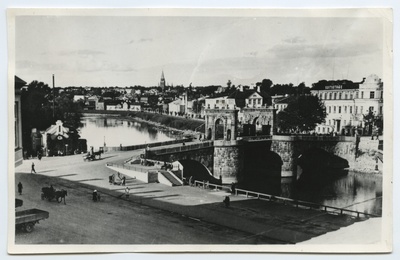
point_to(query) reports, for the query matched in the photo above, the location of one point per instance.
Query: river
(354, 191)
(113, 131)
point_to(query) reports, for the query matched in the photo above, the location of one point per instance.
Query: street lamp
(66, 149)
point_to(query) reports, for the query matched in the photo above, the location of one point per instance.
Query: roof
(18, 82)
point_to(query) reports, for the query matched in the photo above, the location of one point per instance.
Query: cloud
(290, 51)
(294, 40)
(146, 40)
(80, 52)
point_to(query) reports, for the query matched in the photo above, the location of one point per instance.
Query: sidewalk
(281, 223)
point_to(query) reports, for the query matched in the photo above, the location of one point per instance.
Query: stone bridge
(279, 155)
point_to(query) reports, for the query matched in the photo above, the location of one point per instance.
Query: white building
(176, 106)
(220, 103)
(345, 106)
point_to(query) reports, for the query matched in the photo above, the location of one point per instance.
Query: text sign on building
(333, 87)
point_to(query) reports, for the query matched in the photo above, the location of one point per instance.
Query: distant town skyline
(104, 51)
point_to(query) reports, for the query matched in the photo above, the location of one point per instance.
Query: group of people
(122, 179)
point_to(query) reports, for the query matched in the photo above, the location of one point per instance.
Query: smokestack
(53, 96)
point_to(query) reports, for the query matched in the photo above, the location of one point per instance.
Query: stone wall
(228, 159)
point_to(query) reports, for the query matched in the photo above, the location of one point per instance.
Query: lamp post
(66, 149)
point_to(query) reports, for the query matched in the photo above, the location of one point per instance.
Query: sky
(126, 51)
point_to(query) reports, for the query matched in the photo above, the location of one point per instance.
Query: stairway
(170, 178)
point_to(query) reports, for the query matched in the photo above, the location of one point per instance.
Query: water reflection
(97, 130)
(356, 191)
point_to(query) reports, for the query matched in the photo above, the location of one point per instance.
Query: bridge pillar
(228, 160)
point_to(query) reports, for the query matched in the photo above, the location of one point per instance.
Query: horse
(60, 195)
(98, 153)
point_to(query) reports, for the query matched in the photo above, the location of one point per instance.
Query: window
(318, 129)
(362, 94)
(351, 96)
(345, 109)
(329, 122)
(329, 109)
(334, 109)
(356, 110)
(217, 101)
(345, 96)
(361, 109)
(340, 96)
(380, 109)
(371, 109)
(330, 95)
(372, 94)
(334, 95)
(349, 122)
(324, 95)
(259, 101)
(356, 95)
(340, 109)
(351, 110)
(323, 129)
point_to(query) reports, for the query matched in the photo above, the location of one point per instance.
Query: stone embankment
(368, 159)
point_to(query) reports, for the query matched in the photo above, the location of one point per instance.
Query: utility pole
(53, 97)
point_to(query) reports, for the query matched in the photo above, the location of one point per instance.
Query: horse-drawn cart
(26, 219)
(50, 193)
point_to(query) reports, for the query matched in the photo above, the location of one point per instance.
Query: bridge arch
(198, 171)
(219, 128)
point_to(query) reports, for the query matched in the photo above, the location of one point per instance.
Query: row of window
(332, 109)
(332, 122)
(255, 101)
(340, 95)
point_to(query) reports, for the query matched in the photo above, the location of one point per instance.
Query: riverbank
(177, 125)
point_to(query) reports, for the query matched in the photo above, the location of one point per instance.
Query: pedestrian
(227, 201)
(94, 195)
(233, 188)
(127, 193)
(33, 168)
(123, 181)
(20, 188)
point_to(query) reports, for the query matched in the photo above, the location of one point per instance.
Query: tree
(303, 113)
(37, 111)
(372, 122)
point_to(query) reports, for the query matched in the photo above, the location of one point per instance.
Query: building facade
(347, 105)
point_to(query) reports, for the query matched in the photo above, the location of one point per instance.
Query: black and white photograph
(200, 130)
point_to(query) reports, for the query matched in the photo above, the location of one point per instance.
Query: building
(280, 102)
(55, 139)
(346, 104)
(176, 107)
(224, 102)
(18, 151)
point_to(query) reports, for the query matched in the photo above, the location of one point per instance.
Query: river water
(113, 131)
(354, 191)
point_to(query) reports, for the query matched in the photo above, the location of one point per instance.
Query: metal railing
(285, 201)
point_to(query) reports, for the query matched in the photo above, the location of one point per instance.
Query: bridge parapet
(316, 138)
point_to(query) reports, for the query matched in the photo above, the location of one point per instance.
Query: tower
(162, 82)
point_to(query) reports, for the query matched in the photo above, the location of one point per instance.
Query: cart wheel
(59, 200)
(29, 227)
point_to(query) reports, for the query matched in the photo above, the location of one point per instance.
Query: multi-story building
(18, 84)
(346, 104)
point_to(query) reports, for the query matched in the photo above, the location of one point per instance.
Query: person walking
(33, 168)
(123, 181)
(127, 193)
(20, 188)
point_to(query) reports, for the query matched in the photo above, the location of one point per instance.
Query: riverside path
(154, 213)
